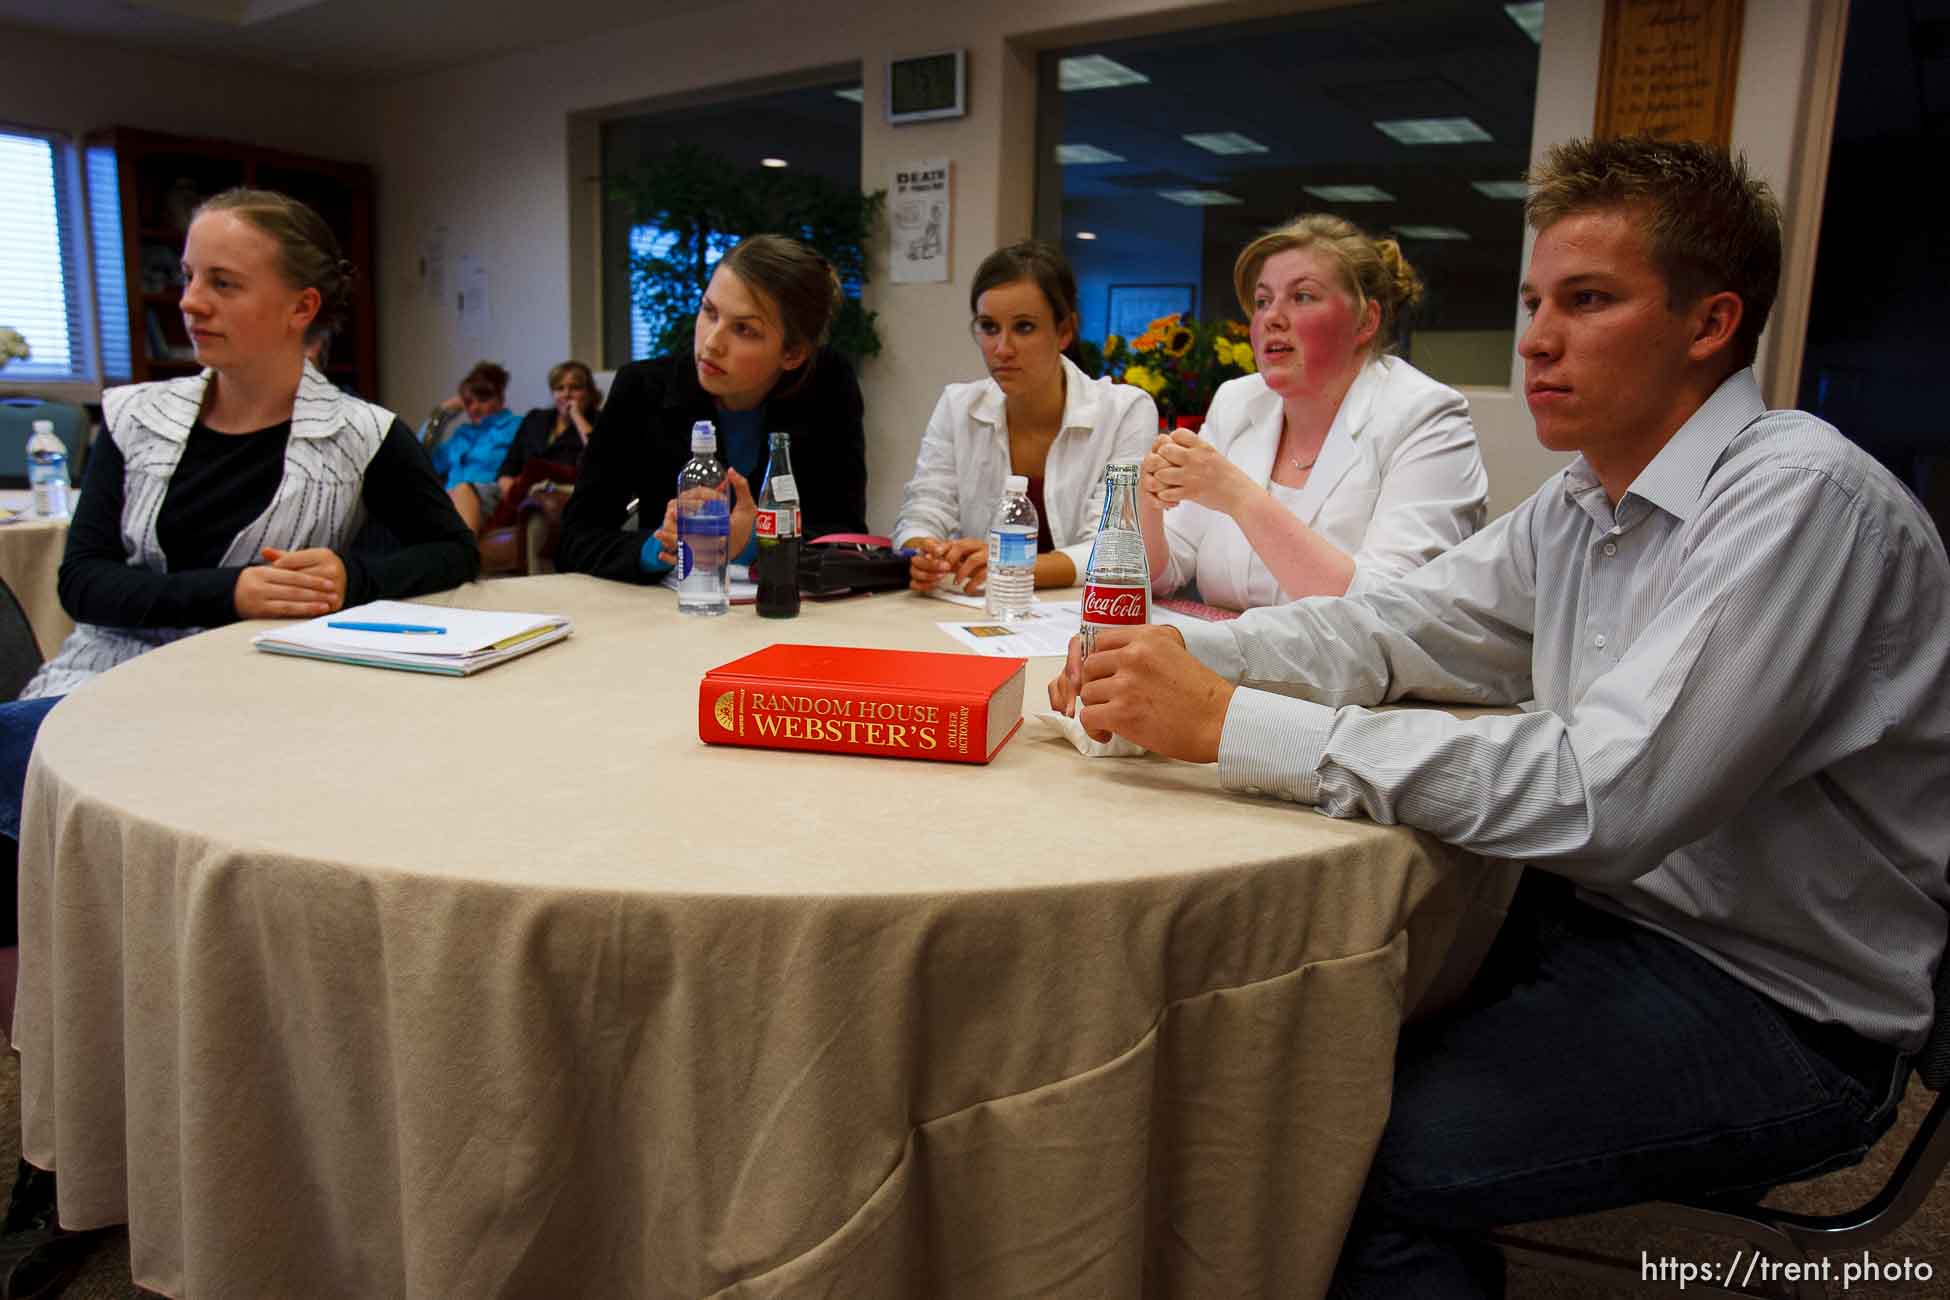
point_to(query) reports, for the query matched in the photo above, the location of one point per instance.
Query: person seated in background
(1036, 415)
(1730, 621)
(318, 351)
(549, 444)
(227, 495)
(469, 452)
(1334, 458)
(758, 364)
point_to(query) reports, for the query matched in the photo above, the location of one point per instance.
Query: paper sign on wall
(471, 302)
(919, 219)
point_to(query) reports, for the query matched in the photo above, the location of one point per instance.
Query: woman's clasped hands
(291, 584)
(958, 564)
(1181, 466)
(744, 517)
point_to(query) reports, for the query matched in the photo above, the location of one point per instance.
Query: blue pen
(416, 628)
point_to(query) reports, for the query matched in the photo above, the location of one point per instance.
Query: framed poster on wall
(1134, 306)
(1669, 68)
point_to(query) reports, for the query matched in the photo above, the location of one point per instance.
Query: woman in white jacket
(1036, 415)
(1335, 463)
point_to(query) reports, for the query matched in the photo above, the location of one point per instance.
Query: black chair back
(20, 652)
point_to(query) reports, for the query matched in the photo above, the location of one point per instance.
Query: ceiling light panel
(1501, 189)
(1530, 17)
(855, 93)
(1227, 143)
(1200, 198)
(1078, 155)
(1095, 72)
(1350, 193)
(1431, 232)
(1432, 130)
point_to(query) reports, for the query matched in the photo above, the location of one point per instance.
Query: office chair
(20, 651)
(1785, 1235)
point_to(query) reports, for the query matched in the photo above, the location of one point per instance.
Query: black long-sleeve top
(222, 483)
(643, 437)
(536, 439)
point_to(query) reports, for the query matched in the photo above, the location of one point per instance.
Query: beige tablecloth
(30, 561)
(346, 982)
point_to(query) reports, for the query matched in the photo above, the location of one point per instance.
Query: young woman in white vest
(232, 494)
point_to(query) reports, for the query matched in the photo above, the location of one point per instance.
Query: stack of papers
(418, 638)
(1046, 629)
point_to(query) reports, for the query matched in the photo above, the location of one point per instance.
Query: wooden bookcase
(159, 181)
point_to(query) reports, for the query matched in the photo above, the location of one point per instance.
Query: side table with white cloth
(30, 561)
(324, 995)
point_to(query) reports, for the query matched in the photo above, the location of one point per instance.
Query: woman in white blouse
(1335, 462)
(1036, 415)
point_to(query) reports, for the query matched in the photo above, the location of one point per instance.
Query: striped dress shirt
(1736, 686)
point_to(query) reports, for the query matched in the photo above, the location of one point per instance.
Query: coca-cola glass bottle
(777, 567)
(1117, 581)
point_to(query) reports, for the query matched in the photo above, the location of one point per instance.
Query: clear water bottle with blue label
(703, 527)
(47, 471)
(1011, 583)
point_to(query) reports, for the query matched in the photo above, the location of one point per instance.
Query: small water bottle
(1012, 552)
(703, 527)
(47, 471)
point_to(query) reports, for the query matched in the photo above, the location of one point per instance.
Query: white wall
(67, 84)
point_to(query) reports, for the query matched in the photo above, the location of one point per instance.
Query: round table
(30, 562)
(343, 981)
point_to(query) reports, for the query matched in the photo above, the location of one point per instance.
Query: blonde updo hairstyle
(308, 252)
(1371, 270)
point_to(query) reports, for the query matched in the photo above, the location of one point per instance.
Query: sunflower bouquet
(1180, 362)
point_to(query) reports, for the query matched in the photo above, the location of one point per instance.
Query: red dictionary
(848, 700)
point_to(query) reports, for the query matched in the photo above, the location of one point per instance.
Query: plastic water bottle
(47, 471)
(1117, 581)
(703, 527)
(1012, 552)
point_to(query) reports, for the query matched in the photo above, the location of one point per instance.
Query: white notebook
(418, 638)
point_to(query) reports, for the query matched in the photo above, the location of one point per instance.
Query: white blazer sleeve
(931, 505)
(1137, 425)
(1187, 523)
(1434, 492)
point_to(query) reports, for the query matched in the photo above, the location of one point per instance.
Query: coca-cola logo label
(1113, 604)
(776, 523)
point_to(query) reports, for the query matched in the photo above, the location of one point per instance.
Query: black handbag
(847, 568)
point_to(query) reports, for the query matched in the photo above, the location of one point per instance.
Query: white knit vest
(317, 502)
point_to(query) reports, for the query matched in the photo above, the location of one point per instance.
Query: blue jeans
(1596, 1064)
(20, 722)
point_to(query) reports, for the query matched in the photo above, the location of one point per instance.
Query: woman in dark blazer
(756, 366)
